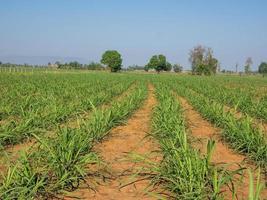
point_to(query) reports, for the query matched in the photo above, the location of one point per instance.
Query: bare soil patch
(202, 130)
(116, 150)
(11, 153)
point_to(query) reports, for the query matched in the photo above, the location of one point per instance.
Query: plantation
(100, 135)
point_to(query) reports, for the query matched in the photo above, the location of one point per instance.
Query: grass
(63, 162)
(241, 133)
(183, 171)
(40, 105)
(32, 104)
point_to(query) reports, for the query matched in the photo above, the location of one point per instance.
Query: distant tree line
(77, 65)
(11, 65)
(201, 58)
(262, 69)
(135, 67)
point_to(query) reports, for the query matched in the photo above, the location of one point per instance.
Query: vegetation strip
(61, 164)
(47, 107)
(256, 123)
(75, 122)
(184, 171)
(202, 130)
(242, 100)
(119, 151)
(239, 133)
(241, 104)
(11, 153)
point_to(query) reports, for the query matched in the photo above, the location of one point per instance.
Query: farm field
(100, 135)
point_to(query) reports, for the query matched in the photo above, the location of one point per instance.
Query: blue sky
(84, 29)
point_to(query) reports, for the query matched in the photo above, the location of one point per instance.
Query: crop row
(237, 98)
(59, 164)
(184, 171)
(254, 86)
(42, 105)
(241, 133)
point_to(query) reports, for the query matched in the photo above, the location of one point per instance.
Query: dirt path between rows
(202, 130)
(116, 149)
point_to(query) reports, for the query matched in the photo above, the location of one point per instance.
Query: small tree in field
(263, 69)
(159, 63)
(202, 61)
(248, 64)
(177, 68)
(112, 59)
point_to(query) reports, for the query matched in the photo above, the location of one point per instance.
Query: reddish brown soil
(11, 153)
(116, 150)
(202, 130)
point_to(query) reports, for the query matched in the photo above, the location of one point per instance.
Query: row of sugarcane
(61, 162)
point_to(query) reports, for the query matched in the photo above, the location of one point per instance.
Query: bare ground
(116, 150)
(202, 130)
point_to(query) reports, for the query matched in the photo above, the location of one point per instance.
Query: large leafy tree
(168, 66)
(203, 61)
(263, 68)
(112, 59)
(153, 62)
(159, 63)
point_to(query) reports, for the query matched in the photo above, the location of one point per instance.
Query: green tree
(146, 68)
(153, 62)
(168, 66)
(162, 63)
(159, 63)
(112, 59)
(263, 68)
